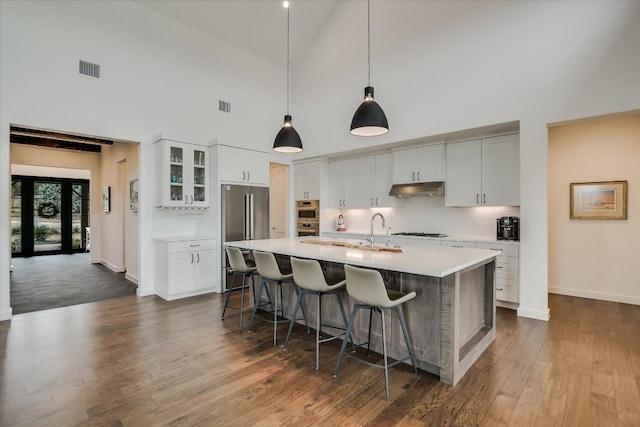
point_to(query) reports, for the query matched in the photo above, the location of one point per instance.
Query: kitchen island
(452, 319)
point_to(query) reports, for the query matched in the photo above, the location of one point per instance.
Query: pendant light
(287, 140)
(369, 119)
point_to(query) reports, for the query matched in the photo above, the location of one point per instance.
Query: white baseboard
(131, 278)
(534, 314)
(145, 292)
(6, 315)
(595, 295)
(114, 268)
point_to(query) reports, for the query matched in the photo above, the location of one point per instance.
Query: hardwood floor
(146, 362)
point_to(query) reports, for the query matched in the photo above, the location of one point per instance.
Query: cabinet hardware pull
(413, 176)
(192, 199)
(376, 201)
(248, 176)
(418, 175)
(198, 257)
(186, 200)
(194, 246)
(457, 246)
(498, 289)
(243, 176)
(477, 198)
(191, 258)
(484, 199)
(498, 266)
(372, 202)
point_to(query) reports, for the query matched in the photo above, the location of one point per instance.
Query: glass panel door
(47, 225)
(16, 216)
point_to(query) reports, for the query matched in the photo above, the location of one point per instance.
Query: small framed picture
(106, 199)
(598, 200)
(133, 195)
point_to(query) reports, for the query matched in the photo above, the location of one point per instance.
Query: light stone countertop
(436, 261)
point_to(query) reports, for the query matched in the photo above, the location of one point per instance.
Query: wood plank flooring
(146, 362)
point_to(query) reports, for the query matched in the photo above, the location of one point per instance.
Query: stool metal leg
(318, 325)
(406, 338)
(226, 304)
(293, 320)
(347, 335)
(263, 285)
(384, 352)
(275, 312)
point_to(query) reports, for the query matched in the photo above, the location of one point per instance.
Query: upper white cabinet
(308, 180)
(182, 174)
(343, 180)
(375, 178)
(483, 172)
(419, 164)
(238, 165)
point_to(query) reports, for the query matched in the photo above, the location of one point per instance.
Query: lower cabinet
(507, 272)
(185, 268)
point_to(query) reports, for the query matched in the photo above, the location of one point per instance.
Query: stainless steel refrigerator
(245, 216)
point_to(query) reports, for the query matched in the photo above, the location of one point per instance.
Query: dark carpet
(50, 281)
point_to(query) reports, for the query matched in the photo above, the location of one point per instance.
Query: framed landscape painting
(598, 200)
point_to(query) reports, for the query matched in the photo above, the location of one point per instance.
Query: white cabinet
(507, 271)
(186, 268)
(308, 180)
(375, 175)
(182, 174)
(238, 165)
(343, 175)
(419, 164)
(483, 172)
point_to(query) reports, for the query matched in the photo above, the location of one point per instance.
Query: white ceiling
(255, 26)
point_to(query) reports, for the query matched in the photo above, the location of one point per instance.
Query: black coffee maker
(508, 228)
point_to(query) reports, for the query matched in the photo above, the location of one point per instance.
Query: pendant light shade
(369, 119)
(287, 140)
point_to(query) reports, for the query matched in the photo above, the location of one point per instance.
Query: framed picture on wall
(106, 199)
(598, 200)
(133, 195)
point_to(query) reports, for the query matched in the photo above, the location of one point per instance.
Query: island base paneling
(450, 321)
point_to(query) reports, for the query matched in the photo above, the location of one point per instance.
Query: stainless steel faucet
(384, 224)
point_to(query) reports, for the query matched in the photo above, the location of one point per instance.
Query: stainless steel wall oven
(308, 217)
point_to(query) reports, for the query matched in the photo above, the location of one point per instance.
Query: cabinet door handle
(192, 199)
(198, 258)
(191, 258)
(243, 176)
(186, 200)
(248, 176)
(477, 198)
(484, 199)
(376, 201)
(498, 289)
(418, 175)
(456, 246)
(372, 202)
(413, 176)
(499, 266)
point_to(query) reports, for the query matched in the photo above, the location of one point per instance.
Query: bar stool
(307, 274)
(239, 268)
(270, 273)
(367, 287)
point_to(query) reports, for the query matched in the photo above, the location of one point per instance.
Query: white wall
(118, 238)
(158, 77)
(438, 67)
(595, 258)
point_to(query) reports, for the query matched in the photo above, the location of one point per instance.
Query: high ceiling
(255, 26)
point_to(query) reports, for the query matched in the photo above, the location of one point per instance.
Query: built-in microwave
(308, 210)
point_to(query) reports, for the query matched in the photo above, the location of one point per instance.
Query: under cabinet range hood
(435, 188)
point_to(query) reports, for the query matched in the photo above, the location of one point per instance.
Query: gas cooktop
(410, 233)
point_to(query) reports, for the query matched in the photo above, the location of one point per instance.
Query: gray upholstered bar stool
(308, 276)
(366, 286)
(240, 268)
(270, 273)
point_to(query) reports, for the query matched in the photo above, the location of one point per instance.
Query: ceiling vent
(89, 69)
(224, 106)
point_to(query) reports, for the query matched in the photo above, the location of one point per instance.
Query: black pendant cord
(288, 61)
(369, 41)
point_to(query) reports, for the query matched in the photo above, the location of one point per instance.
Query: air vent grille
(89, 69)
(224, 106)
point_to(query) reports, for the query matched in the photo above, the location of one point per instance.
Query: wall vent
(224, 106)
(89, 69)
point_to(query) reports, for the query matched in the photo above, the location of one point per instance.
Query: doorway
(278, 200)
(48, 215)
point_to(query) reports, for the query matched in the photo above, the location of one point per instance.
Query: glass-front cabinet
(182, 174)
